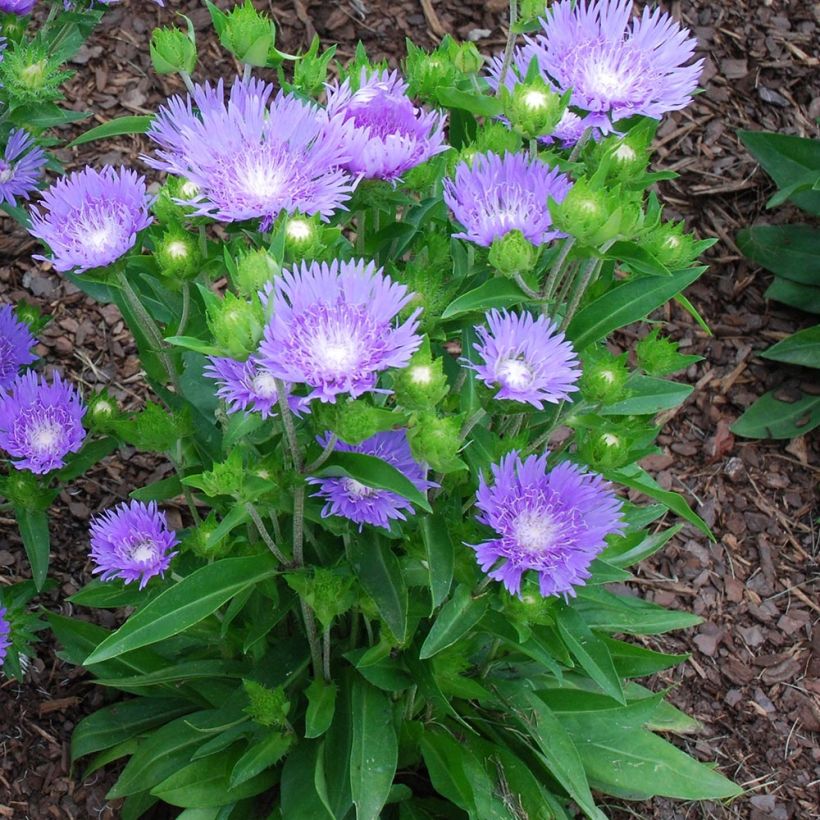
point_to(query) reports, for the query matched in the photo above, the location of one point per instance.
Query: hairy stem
(508, 49)
(323, 456)
(287, 423)
(472, 421)
(313, 638)
(588, 273)
(326, 654)
(532, 294)
(262, 530)
(557, 268)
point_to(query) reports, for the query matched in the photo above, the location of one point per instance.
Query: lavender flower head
(616, 64)
(247, 385)
(132, 542)
(553, 522)
(21, 7)
(392, 135)
(93, 217)
(40, 423)
(16, 342)
(332, 328)
(250, 157)
(365, 505)
(495, 195)
(5, 631)
(21, 166)
(528, 359)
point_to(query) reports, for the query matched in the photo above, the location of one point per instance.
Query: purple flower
(365, 505)
(571, 127)
(132, 542)
(250, 157)
(93, 217)
(391, 135)
(528, 359)
(245, 385)
(21, 7)
(332, 328)
(21, 166)
(40, 423)
(551, 521)
(5, 631)
(616, 64)
(16, 342)
(493, 195)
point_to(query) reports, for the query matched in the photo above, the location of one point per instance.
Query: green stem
(361, 227)
(519, 280)
(326, 654)
(508, 49)
(569, 276)
(299, 526)
(574, 154)
(323, 456)
(262, 530)
(588, 273)
(313, 638)
(186, 308)
(557, 268)
(472, 421)
(287, 423)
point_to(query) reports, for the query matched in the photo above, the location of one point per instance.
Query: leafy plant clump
(374, 315)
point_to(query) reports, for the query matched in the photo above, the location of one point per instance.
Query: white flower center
(100, 238)
(6, 172)
(515, 373)
(258, 179)
(45, 436)
(672, 243)
(357, 489)
(608, 376)
(189, 189)
(421, 375)
(534, 99)
(264, 384)
(610, 440)
(338, 355)
(143, 551)
(298, 229)
(177, 249)
(533, 531)
(625, 153)
(604, 80)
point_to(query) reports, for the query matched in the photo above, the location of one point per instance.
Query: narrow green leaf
(160, 490)
(321, 697)
(770, 417)
(92, 451)
(482, 105)
(179, 671)
(497, 292)
(633, 661)
(639, 259)
(185, 604)
(197, 345)
(440, 556)
(33, 526)
(648, 396)
(792, 251)
(801, 348)
(261, 755)
(114, 128)
(300, 797)
(640, 549)
(374, 749)
(603, 610)
(456, 618)
(795, 294)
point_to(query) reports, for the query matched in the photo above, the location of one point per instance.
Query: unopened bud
(236, 324)
(248, 35)
(512, 253)
(172, 51)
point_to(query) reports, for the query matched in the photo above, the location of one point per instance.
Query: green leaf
(373, 472)
(638, 479)
(335, 753)
(770, 417)
(115, 128)
(33, 526)
(262, 754)
(633, 661)
(640, 260)
(301, 799)
(92, 451)
(185, 604)
(497, 292)
(441, 757)
(590, 651)
(179, 671)
(374, 749)
(119, 722)
(635, 550)
(456, 618)
(321, 697)
(626, 303)
(801, 348)
(160, 490)
(802, 297)
(603, 610)
(380, 574)
(111, 595)
(480, 104)
(792, 251)
(440, 556)
(197, 345)
(647, 396)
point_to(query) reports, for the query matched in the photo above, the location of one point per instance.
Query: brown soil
(753, 679)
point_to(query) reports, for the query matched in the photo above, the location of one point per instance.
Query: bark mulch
(753, 678)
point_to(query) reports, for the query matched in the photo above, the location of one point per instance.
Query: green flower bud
(200, 542)
(267, 707)
(531, 607)
(468, 59)
(659, 356)
(226, 478)
(172, 51)
(178, 254)
(327, 592)
(604, 449)
(594, 215)
(167, 210)
(603, 377)
(427, 73)
(533, 108)
(428, 277)
(436, 441)
(303, 237)
(670, 245)
(253, 270)
(310, 70)
(237, 324)
(31, 315)
(154, 429)
(354, 421)
(512, 253)
(248, 35)
(23, 489)
(422, 384)
(529, 11)
(102, 414)
(493, 136)
(29, 74)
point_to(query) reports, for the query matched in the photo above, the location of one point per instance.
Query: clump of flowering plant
(375, 328)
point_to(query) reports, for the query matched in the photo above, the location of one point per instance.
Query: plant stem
(246, 72)
(323, 456)
(326, 654)
(519, 280)
(299, 525)
(149, 327)
(313, 638)
(361, 227)
(580, 144)
(472, 421)
(508, 49)
(186, 308)
(588, 273)
(557, 268)
(186, 78)
(262, 530)
(287, 423)
(186, 490)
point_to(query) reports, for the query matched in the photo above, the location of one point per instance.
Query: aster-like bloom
(615, 63)
(493, 195)
(553, 522)
(16, 342)
(21, 7)
(365, 505)
(251, 157)
(132, 541)
(392, 135)
(21, 166)
(40, 423)
(332, 328)
(93, 217)
(5, 633)
(528, 359)
(247, 385)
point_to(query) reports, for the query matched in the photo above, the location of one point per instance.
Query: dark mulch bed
(753, 679)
